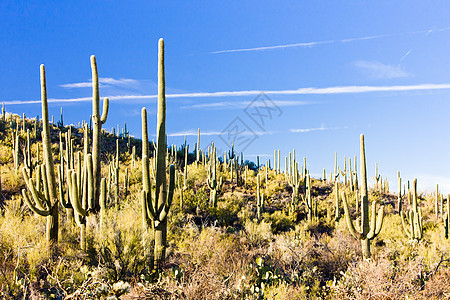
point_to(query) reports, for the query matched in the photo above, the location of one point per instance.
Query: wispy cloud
(303, 130)
(406, 55)
(302, 45)
(377, 70)
(352, 89)
(208, 133)
(104, 82)
(370, 37)
(317, 43)
(194, 133)
(260, 155)
(241, 104)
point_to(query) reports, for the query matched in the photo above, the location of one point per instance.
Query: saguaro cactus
(213, 184)
(96, 131)
(367, 231)
(155, 210)
(446, 218)
(45, 204)
(337, 211)
(259, 198)
(307, 199)
(414, 218)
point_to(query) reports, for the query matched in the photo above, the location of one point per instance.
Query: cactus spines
(49, 180)
(96, 131)
(368, 231)
(414, 218)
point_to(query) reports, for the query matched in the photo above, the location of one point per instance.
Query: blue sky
(330, 70)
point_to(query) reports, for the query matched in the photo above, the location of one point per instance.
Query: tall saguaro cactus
(96, 131)
(156, 209)
(367, 231)
(45, 204)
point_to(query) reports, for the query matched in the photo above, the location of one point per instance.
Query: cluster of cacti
(366, 231)
(414, 229)
(83, 193)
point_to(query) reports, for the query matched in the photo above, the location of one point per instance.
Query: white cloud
(303, 130)
(312, 44)
(302, 45)
(194, 133)
(104, 82)
(241, 104)
(377, 70)
(301, 91)
(208, 133)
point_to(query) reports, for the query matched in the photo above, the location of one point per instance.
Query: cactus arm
(220, 184)
(168, 203)
(146, 173)
(105, 110)
(210, 183)
(74, 194)
(40, 212)
(376, 222)
(419, 225)
(373, 217)
(61, 191)
(45, 182)
(38, 197)
(350, 225)
(90, 180)
(148, 214)
(148, 209)
(408, 232)
(380, 220)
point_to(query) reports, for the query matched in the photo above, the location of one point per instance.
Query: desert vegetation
(91, 214)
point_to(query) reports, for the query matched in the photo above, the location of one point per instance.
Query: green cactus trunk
(96, 131)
